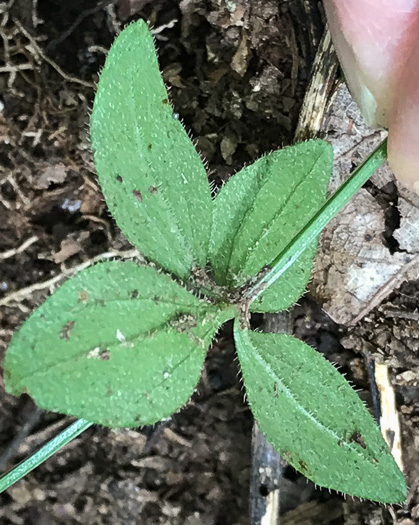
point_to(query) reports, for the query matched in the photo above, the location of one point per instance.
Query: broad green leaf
(286, 291)
(312, 416)
(119, 344)
(152, 177)
(261, 209)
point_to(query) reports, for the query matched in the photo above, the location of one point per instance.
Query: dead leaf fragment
(407, 234)
(241, 57)
(354, 268)
(54, 174)
(69, 247)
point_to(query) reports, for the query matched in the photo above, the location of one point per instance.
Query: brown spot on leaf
(134, 294)
(390, 435)
(67, 329)
(165, 101)
(302, 465)
(150, 147)
(119, 178)
(276, 389)
(357, 438)
(153, 189)
(102, 354)
(83, 296)
(137, 195)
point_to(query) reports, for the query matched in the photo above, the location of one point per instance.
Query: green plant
(123, 344)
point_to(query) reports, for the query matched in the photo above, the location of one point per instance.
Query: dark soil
(238, 73)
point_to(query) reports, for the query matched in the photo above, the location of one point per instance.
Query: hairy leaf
(119, 344)
(152, 177)
(260, 210)
(286, 291)
(314, 418)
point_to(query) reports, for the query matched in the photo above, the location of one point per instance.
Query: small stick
(24, 293)
(41, 55)
(267, 465)
(15, 251)
(84, 14)
(265, 480)
(320, 92)
(375, 394)
(23, 433)
(385, 398)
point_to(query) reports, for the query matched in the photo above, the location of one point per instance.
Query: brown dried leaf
(408, 233)
(355, 269)
(69, 247)
(55, 173)
(241, 57)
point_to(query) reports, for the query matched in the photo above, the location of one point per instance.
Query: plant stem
(43, 453)
(315, 226)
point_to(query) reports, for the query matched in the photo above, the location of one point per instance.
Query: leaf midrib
(136, 338)
(246, 255)
(289, 394)
(138, 135)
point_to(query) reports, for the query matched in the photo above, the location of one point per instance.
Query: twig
(15, 251)
(375, 394)
(84, 14)
(35, 20)
(43, 435)
(401, 314)
(48, 60)
(13, 68)
(23, 433)
(267, 465)
(171, 435)
(24, 293)
(389, 417)
(320, 92)
(391, 285)
(265, 481)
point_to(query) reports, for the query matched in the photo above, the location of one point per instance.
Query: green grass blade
(48, 450)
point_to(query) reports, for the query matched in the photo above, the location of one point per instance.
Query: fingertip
(403, 149)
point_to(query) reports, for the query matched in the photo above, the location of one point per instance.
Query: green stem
(43, 453)
(315, 226)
